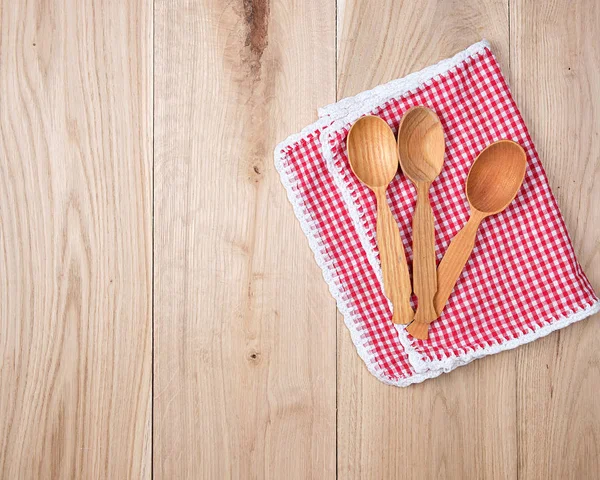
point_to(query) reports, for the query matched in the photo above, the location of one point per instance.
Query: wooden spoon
(421, 150)
(493, 182)
(373, 159)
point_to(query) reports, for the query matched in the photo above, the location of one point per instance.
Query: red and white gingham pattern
(522, 274)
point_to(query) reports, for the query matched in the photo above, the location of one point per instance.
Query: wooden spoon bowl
(421, 145)
(496, 176)
(372, 151)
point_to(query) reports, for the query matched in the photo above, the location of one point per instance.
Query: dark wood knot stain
(256, 15)
(254, 357)
(257, 173)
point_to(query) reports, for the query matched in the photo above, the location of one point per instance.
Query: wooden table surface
(161, 314)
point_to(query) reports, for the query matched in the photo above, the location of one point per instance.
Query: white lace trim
(450, 363)
(366, 101)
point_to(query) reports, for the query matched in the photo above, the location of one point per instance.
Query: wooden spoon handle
(424, 272)
(396, 281)
(424, 268)
(455, 259)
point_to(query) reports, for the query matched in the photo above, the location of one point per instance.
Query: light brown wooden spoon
(373, 159)
(493, 182)
(421, 150)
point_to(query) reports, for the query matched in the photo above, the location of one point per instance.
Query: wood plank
(556, 81)
(406, 36)
(460, 425)
(244, 323)
(75, 239)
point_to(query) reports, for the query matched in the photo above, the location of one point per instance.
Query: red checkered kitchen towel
(522, 280)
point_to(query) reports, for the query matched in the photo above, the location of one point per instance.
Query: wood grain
(244, 327)
(244, 323)
(556, 81)
(380, 40)
(75, 239)
(461, 425)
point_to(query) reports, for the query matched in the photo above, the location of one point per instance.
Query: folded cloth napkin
(522, 280)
